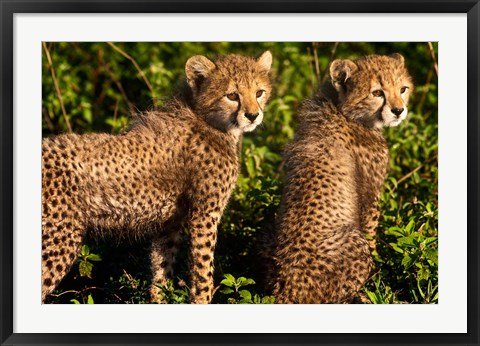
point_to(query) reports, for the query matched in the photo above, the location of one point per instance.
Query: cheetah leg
(370, 223)
(162, 257)
(60, 246)
(203, 237)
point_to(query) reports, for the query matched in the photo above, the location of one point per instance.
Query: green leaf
(94, 257)
(181, 292)
(428, 206)
(407, 261)
(410, 226)
(246, 296)
(228, 281)
(250, 165)
(242, 281)
(432, 255)
(431, 240)
(85, 250)
(85, 269)
(226, 291)
(373, 297)
(423, 274)
(396, 247)
(268, 300)
(406, 240)
(90, 299)
(395, 230)
(74, 301)
(250, 282)
(87, 115)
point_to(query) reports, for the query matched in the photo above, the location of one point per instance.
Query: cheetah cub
(335, 169)
(171, 168)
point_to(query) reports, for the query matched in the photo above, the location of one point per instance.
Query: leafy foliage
(101, 84)
(171, 295)
(85, 259)
(239, 295)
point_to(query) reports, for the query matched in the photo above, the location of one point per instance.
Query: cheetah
(335, 169)
(171, 169)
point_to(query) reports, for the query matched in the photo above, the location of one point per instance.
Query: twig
(65, 292)
(280, 166)
(432, 52)
(114, 123)
(312, 78)
(46, 116)
(315, 55)
(77, 292)
(423, 97)
(215, 289)
(332, 55)
(409, 174)
(142, 74)
(57, 88)
(119, 85)
(106, 67)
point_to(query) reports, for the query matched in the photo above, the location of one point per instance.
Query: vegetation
(96, 86)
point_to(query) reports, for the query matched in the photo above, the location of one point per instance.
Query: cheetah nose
(251, 116)
(397, 111)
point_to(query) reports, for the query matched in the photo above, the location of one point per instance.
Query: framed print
(259, 172)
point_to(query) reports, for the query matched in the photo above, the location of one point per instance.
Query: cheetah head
(373, 90)
(230, 92)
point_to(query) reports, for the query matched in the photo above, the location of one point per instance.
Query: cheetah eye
(232, 96)
(403, 89)
(260, 93)
(377, 93)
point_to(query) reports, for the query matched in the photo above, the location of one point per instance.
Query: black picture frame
(9, 7)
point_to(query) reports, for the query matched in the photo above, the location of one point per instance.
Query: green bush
(101, 84)
(236, 293)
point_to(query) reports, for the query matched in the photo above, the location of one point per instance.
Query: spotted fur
(171, 168)
(335, 169)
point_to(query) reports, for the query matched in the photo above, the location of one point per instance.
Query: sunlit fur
(213, 81)
(173, 168)
(335, 169)
(356, 81)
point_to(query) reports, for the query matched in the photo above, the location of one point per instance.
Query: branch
(426, 89)
(409, 174)
(114, 123)
(57, 88)
(326, 74)
(432, 53)
(312, 76)
(142, 74)
(315, 55)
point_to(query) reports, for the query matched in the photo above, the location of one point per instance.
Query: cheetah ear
(265, 61)
(197, 69)
(398, 57)
(340, 71)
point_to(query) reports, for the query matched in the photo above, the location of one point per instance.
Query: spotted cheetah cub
(335, 169)
(171, 168)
